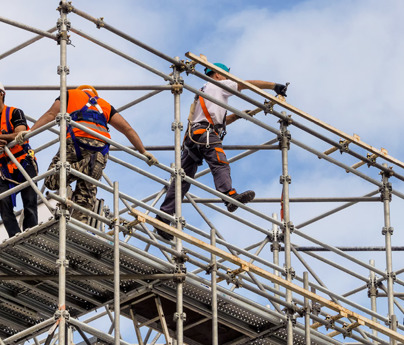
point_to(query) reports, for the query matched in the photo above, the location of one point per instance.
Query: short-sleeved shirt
(216, 112)
(17, 118)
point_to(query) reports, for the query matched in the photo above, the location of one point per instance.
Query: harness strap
(88, 115)
(9, 129)
(77, 144)
(92, 101)
(205, 110)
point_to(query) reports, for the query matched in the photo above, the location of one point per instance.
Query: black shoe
(244, 198)
(162, 233)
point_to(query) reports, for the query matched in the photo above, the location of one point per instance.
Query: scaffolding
(55, 275)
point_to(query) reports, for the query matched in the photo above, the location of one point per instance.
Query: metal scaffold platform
(29, 289)
(226, 278)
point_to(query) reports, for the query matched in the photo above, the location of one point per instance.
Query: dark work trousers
(29, 201)
(192, 156)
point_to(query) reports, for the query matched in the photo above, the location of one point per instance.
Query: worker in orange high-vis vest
(203, 141)
(85, 152)
(13, 122)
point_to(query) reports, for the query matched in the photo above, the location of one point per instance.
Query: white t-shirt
(216, 112)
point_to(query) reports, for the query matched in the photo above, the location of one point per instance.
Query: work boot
(162, 233)
(244, 198)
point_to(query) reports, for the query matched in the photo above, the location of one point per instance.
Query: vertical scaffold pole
(306, 310)
(387, 231)
(63, 27)
(180, 266)
(288, 227)
(213, 263)
(275, 248)
(372, 293)
(117, 291)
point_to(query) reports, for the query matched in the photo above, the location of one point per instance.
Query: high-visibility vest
(81, 106)
(19, 151)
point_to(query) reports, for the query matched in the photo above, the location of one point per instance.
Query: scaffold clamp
(177, 87)
(182, 316)
(100, 23)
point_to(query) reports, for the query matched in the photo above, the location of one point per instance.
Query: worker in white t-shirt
(203, 141)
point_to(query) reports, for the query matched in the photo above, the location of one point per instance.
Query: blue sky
(343, 59)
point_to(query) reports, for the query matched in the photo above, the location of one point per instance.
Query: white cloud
(343, 59)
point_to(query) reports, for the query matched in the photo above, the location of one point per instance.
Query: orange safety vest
(17, 150)
(77, 100)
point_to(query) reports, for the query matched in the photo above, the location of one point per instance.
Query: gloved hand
(280, 89)
(151, 159)
(20, 137)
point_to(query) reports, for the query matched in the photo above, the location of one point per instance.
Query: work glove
(20, 137)
(151, 159)
(280, 89)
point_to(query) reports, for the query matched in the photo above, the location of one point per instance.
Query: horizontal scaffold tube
(270, 276)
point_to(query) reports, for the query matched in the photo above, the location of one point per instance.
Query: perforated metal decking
(29, 290)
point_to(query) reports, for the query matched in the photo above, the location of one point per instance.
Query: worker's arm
(49, 116)
(233, 117)
(280, 89)
(10, 137)
(258, 83)
(119, 123)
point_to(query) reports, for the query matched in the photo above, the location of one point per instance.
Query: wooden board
(382, 152)
(248, 267)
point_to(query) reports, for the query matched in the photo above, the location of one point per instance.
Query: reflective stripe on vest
(7, 127)
(79, 99)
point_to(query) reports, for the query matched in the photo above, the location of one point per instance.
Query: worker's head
(89, 88)
(2, 92)
(209, 72)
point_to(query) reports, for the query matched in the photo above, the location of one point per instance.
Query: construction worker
(13, 122)
(203, 140)
(85, 152)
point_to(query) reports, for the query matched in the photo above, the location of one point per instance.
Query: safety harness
(23, 153)
(218, 129)
(88, 115)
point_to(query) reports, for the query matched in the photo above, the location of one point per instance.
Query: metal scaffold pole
(287, 225)
(372, 293)
(306, 310)
(145, 276)
(63, 26)
(387, 231)
(117, 293)
(177, 128)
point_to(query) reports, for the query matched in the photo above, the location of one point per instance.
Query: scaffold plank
(270, 276)
(352, 139)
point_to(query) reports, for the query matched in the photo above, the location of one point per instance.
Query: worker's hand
(3, 142)
(20, 137)
(151, 159)
(280, 89)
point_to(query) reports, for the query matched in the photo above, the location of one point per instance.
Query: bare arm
(119, 123)
(10, 137)
(258, 83)
(49, 116)
(231, 118)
